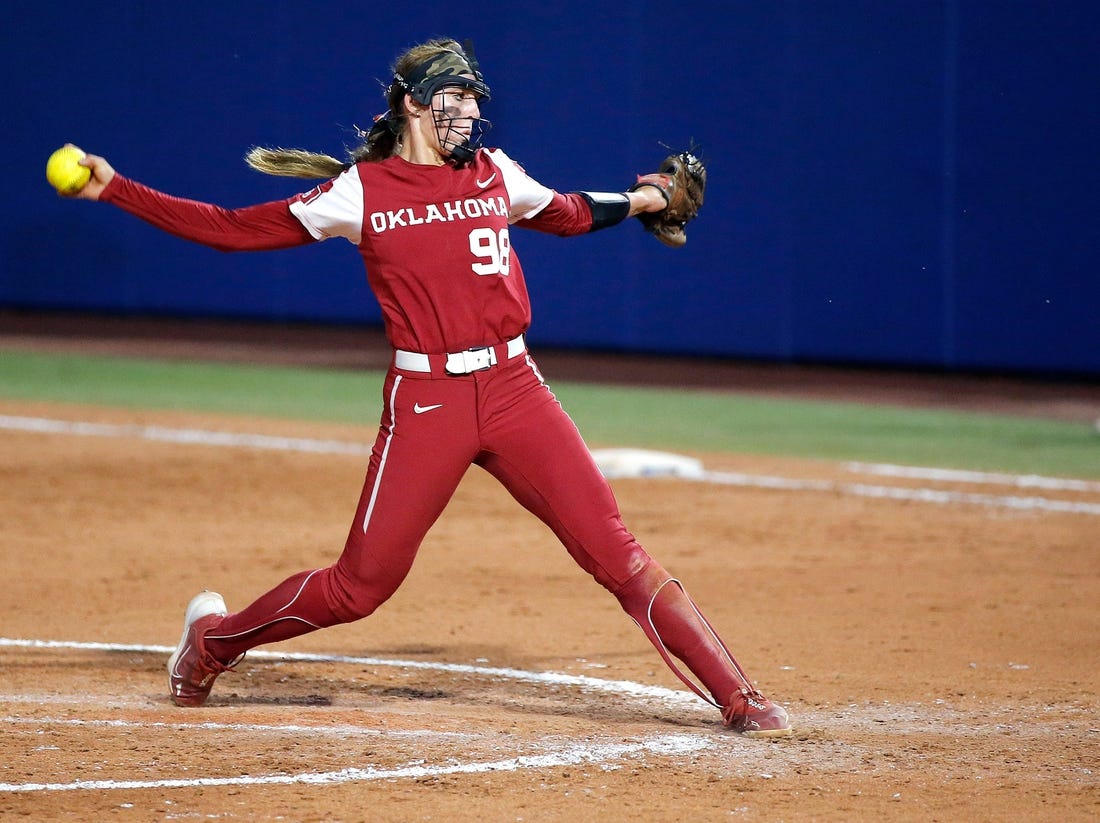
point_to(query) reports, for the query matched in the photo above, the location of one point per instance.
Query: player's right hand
(102, 174)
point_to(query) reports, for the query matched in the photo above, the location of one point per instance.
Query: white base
(616, 463)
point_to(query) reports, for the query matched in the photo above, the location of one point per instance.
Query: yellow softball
(64, 172)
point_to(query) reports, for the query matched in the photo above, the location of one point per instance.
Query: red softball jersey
(435, 239)
(436, 244)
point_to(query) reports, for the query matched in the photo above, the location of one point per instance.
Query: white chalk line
(204, 437)
(199, 437)
(585, 682)
(1023, 481)
(342, 731)
(575, 754)
(920, 495)
(872, 718)
(594, 754)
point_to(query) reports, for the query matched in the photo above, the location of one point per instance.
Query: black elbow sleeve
(608, 208)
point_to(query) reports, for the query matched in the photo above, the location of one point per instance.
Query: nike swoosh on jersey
(418, 409)
(482, 185)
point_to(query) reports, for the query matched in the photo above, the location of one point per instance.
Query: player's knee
(613, 568)
(355, 594)
(637, 594)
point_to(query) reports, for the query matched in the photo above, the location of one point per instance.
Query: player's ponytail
(380, 142)
(293, 163)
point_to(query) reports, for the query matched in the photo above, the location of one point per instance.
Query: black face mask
(447, 70)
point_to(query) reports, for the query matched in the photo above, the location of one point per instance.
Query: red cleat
(753, 715)
(191, 670)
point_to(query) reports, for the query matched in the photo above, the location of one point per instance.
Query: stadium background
(893, 183)
(908, 185)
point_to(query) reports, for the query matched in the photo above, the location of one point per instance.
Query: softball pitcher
(431, 213)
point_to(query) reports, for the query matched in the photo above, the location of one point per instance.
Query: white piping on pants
(385, 453)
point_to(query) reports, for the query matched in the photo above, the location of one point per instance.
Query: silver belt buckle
(471, 360)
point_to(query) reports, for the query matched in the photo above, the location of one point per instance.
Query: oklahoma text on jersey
(381, 221)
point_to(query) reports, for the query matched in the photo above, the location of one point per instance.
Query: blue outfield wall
(892, 182)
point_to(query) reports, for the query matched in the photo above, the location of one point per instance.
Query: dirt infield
(937, 648)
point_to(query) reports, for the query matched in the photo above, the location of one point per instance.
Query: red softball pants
(506, 420)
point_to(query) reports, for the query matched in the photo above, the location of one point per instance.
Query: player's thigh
(543, 461)
(426, 442)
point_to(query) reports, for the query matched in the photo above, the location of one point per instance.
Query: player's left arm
(580, 212)
(535, 206)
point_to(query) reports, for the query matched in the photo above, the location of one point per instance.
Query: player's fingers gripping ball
(682, 179)
(64, 172)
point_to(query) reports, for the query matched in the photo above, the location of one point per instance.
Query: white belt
(460, 362)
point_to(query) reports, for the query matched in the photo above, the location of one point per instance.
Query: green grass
(712, 421)
(685, 420)
(264, 391)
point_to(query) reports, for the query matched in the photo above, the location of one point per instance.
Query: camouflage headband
(438, 71)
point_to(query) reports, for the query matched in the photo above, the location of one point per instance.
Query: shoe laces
(207, 661)
(741, 704)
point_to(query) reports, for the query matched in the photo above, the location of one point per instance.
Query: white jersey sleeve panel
(527, 196)
(334, 210)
